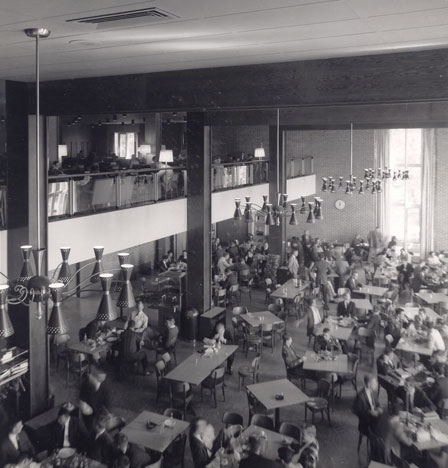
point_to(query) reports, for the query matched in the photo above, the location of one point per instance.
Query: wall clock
(339, 204)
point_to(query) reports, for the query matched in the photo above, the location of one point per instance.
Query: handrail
(240, 163)
(227, 176)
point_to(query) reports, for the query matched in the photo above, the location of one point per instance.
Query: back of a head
(123, 462)
(255, 444)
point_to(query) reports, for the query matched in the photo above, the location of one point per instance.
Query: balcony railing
(297, 167)
(81, 194)
(227, 176)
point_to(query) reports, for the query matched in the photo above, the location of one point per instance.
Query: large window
(405, 196)
(125, 144)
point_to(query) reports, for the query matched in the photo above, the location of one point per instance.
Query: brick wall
(441, 191)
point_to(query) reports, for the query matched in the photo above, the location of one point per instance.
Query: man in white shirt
(293, 264)
(224, 263)
(435, 340)
(139, 317)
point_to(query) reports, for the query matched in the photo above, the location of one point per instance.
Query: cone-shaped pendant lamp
(361, 187)
(270, 221)
(64, 272)
(293, 221)
(6, 328)
(265, 202)
(237, 213)
(340, 186)
(324, 184)
(303, 207)
(123, 257)
(106, 310)
(248, 215)
(318, 212)
(311, 218)
(126, 298)
(98, 268)
(284, 203)
(26, 273)
(56, 324)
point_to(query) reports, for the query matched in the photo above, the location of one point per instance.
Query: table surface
(289, 291)
(86, 349)
(387, 273)
(409, 346)
(196, 368)
(48, 462)
(213, 312)
(274, 441)
(372, 290)
(374, 464)
(255, 319)
(340, 365)
(175, 274)
(411, 312)
(336, 331)
(432, 444)
(432, 297)
(362, 304)
(157, 439)
(265, 393)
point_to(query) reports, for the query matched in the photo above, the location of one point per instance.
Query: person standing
(130, 348)
(293, 264)
(376, 241)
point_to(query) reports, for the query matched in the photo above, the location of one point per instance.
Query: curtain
(428, 191)
(381, 155)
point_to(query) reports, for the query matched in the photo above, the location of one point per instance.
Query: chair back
(278, 301)
(324, 389)
(234, 288)
(166, 358)
(174, 412)
(261, 420)
(218, 375)
(275, 308)
(75, 358)
(232, 419)
(239, 311)
(221, 293)
(160, 369)
(267, 328)
(256, 366)
(156, 464)
(290, 430)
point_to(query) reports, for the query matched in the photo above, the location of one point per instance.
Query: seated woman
(15, 444)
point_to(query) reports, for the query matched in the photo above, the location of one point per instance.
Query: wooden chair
(353, 376)
(213, 382)
(221, 298)
(166, 358)
(252, 371)
(252, 339)
(76, 363)
(232, 419)
(162, 384)
(115, 424)
(279, 331)
(175, 413)
(174, 455)
(268, 335)
(255, 407)
(320, 403)
(181, 396)
(261, 420)
(247, 289)
(237, 311)
(290, 430)
(277, 309)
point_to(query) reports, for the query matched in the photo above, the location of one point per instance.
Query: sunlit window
(405, 152)
(125, 144)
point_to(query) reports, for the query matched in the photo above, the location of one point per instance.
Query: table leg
(277, 418)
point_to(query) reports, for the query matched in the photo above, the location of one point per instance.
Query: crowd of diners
(332, 274)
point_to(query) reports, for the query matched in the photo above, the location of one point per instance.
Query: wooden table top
(159, 438)
(196, 368)
(86, 349)
(372, 290)
(389, 273)
(336, 331)
(265, 393)
(433, 444)
(432, 297)
(175, 274)
(411, 312)
(410, 346)
(67, 463)
(340, 365)
(274, 441)
(364, 304)
(374, 464)
(213, 312)
(289, 291)
(255, 319)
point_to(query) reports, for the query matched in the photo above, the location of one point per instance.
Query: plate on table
(66, 452)
(112, 339)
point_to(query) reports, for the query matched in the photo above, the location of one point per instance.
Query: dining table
(432, 297)
(411, 345)
(371, 291)
(255, 319)
(154, 431)
(277, 394)
(338, 364)
(431, 435)
(411, 312)
(362, 304)
(337, 330)
(273, 440)
(289, 290)
(200, 364)
(76, 460)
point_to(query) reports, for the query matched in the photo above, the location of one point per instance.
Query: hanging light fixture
(126, 298)
(56, 324)
(64, 272)
(293, 220)
(361, 187)
(324, 184)
(311, 219)
(26, 273)
(106, 310)
(98, 268)
(6, 328)
(269, 218)
(248, 216)
(123, 257)
(265, 202)
(318, 211)
(237, 216)
(303, 207)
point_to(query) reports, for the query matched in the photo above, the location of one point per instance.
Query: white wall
(301, 187)
(115, 230)
(3, 253)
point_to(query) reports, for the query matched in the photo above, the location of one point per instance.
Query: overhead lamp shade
(6, 328)
(62, 151)
(340, 185)
(106, 310)
(361, 187)
(123, 257)
(303, 207)
(379, 188)
(373, 187)
(332, 186)
(270, 221)
(348, 188)
(126, 298)
(237, 216)
(166, 156)
(318, 212)
(98, 268)
(56, 325)
(265, 202)
(293, 220)
(26, 273)
(368, 183)
(311, 219)
(145, 149)
(284, 200)
(324, 184)
(64, 272)
(259, 152)
(248, 215)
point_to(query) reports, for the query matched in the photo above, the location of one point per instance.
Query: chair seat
(245, 371)
(317, 404)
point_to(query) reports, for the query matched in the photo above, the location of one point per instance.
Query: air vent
(152, 14)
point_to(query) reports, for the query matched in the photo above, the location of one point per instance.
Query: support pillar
(199, 216)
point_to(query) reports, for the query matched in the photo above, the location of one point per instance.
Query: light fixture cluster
(30, 287)
(274, 213)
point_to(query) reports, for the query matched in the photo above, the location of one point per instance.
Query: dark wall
(401, 77)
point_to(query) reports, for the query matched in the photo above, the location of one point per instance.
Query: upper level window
(125, 144)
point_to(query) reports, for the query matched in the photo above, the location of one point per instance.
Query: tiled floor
(338, 444)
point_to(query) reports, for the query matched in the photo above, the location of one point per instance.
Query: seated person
(164, 265)
(93, 329)
(130, 348)
(439, 391)
(388, 361)
(231, 279)
(254, 458)
(183, 257)
(313, 316)
(353, 284)
(433, 259)
(136, 455)
(139, 318)
(202, 450)
(326, 342)
(100, 446)
(168, 341)
(15, 444)
(65, 431)
(346, 308)
(293, 362)
(223, 336)
(435, 340)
